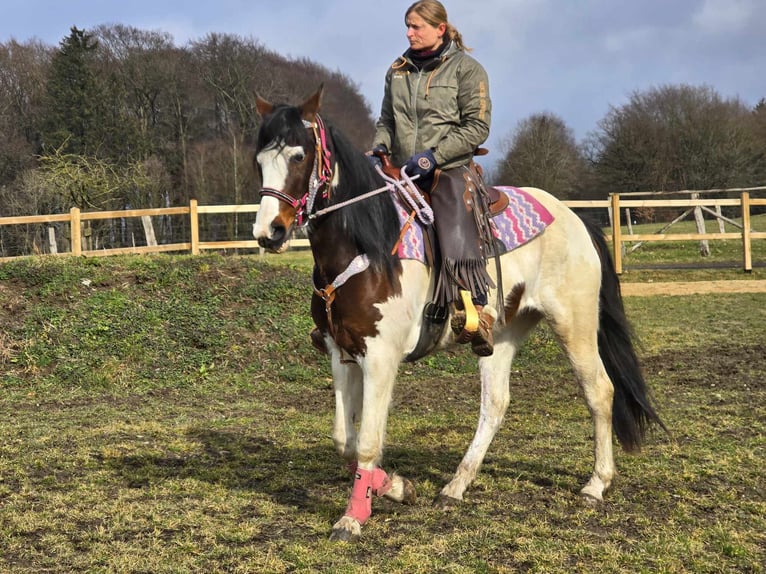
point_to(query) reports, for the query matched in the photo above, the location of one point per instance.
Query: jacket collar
(406, 59)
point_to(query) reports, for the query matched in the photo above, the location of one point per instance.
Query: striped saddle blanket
(523, 220)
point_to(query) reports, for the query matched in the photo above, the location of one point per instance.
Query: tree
(228, 64)
(759, 125)
(542, 152)
(674, 138)
(23, 68)
(121, 97)
(71, 114)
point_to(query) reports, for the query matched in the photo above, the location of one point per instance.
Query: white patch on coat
(399, 327)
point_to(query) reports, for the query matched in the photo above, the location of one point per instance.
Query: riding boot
(483, 343)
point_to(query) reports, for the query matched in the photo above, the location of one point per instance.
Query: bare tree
(676, 137)
(542, 152)
(23, 68)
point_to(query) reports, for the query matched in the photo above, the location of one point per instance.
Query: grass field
(168, 415)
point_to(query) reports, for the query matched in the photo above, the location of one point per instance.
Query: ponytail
(453, 34)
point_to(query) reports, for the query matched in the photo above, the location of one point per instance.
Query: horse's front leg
(347, 382)
(369, 479)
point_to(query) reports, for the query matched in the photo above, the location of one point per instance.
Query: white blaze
(274, 168)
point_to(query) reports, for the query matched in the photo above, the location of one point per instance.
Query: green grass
(168, 414)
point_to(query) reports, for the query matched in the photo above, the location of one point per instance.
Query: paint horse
(368, 306)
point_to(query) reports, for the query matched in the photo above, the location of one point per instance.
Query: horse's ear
(264, 108)
(310, 107)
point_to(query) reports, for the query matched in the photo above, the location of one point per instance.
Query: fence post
(194, 221)
(52, 247)
(616, 233)
(746, 240)
(75, 229)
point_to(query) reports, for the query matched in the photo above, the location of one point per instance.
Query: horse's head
(286, 157)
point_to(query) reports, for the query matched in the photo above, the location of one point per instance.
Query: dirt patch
(692, 288)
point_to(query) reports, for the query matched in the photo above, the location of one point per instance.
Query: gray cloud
(574, 59)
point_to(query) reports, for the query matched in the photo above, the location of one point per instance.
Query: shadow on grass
(298, 477)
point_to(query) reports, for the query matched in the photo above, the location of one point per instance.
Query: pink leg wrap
(366, 483)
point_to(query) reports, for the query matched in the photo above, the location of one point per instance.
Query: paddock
(169, 414)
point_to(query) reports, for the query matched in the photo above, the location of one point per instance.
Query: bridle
(321, 177)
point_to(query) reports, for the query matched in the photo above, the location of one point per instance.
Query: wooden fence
(193, 211)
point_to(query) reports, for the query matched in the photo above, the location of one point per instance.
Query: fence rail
(195, 245)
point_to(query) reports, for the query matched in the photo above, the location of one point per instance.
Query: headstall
(321, 176)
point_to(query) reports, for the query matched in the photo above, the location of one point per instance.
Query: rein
(407, 191)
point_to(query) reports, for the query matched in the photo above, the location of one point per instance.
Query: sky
(575, 59)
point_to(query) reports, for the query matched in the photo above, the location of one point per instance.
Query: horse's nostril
(278, 233)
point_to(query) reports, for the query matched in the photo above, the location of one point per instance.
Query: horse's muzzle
(277, 242)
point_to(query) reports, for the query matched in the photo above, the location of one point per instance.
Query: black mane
(283, 124)
(373, 223)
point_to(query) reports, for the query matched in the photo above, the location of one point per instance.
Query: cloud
(725, 16)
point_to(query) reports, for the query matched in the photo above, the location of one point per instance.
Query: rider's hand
(373, 156)
(421, 164)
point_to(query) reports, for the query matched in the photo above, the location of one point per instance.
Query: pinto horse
(368, 306)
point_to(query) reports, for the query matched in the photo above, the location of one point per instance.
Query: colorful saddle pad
(523, 220)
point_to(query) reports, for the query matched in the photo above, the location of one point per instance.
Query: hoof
(409, 495)
(346, 530)
(590, 501)
(446, 503)
(592, 494)
(342, 535)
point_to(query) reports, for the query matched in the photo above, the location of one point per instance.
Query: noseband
(321, 176)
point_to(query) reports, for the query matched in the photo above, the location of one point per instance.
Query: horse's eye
(298, 157)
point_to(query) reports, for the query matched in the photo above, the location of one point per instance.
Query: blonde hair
(434, 13)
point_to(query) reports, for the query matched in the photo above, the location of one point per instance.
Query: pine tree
(71, 112)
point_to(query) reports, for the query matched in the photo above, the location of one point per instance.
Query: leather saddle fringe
(460, 204)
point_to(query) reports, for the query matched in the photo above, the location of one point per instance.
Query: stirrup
(465, 321)
(474, 325)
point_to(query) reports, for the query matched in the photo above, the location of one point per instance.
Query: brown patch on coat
(354, 313)
(513, 301)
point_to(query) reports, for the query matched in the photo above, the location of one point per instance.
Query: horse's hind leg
(495, 372)
(578, 336)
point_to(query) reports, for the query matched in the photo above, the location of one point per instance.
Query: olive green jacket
(445, 106)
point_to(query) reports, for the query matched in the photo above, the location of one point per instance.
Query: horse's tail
(632, 409)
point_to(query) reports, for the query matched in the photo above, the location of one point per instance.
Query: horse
(368, 307)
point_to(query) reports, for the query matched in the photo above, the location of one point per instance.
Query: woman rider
(435, 113)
